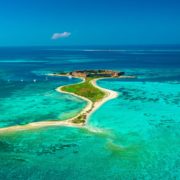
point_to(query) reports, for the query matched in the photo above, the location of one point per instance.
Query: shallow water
(25, 102)
(135, 136)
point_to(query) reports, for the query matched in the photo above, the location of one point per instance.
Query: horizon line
(90, 45)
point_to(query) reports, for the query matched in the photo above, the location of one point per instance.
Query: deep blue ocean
(138, 133)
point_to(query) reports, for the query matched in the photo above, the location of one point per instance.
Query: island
(87, 90)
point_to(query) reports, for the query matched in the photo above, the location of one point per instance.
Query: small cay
(87, 90)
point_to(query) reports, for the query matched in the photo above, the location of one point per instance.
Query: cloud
(60, 35)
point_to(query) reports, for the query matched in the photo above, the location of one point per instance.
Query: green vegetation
(80, 119)
(85, 89)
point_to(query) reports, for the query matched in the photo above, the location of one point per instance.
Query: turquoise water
(26, 102)
(135, 136)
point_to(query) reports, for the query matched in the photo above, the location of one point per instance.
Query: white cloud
(60, 35)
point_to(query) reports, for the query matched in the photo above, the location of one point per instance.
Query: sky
(89, 22)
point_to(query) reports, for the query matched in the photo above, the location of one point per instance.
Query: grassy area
(80, 119)
(85, 89)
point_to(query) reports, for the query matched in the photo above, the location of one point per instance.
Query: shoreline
(89, 109)
(109, 94)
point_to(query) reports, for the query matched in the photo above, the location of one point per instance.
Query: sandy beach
(88, 110)
(109, 94)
